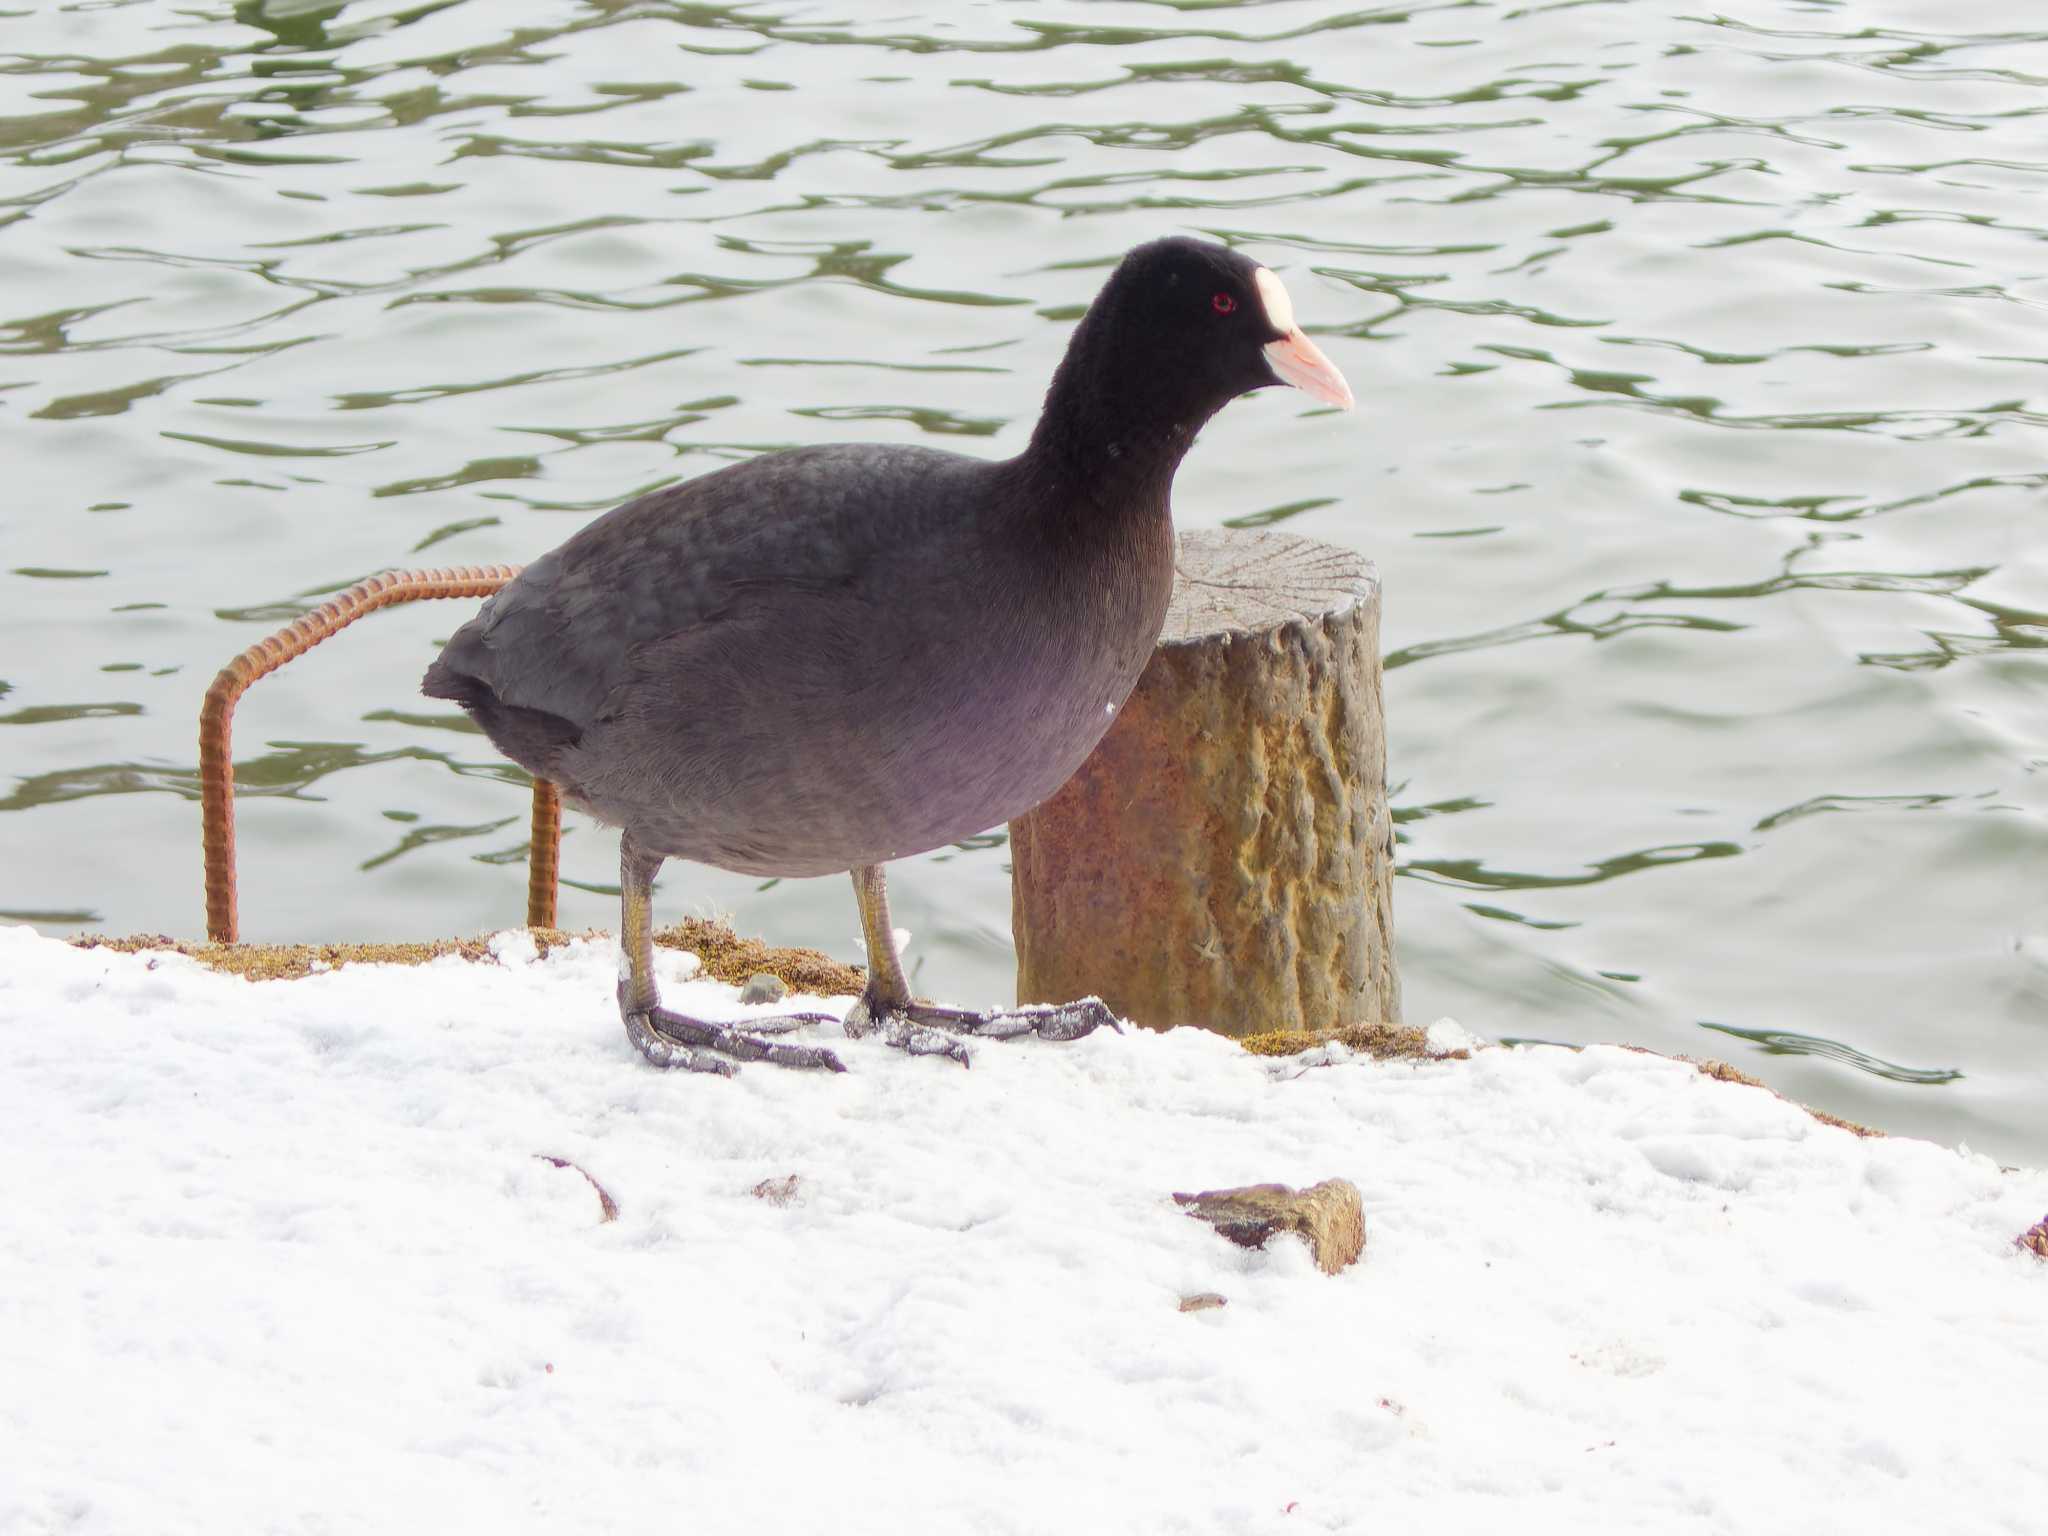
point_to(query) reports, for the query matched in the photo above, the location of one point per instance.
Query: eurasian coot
(830, 657)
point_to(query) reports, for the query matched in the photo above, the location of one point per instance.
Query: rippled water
(1700, 355)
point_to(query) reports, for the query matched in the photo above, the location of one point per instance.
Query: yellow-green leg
(929, 1029)
(675, 1040)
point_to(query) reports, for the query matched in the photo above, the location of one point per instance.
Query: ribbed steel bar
(543, 855)
(216, 734)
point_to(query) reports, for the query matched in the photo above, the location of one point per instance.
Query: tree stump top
(1241, 582)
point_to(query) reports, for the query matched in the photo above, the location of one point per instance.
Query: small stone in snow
(763, 988)
(1202, 1301)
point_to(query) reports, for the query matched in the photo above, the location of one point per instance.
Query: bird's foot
(675, 1040)
(931, 1029)
(899, 1029)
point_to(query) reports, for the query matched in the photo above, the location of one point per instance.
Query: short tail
(532, 738)
(445, 682)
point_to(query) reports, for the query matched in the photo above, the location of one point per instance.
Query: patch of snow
(281, 1256)
(1448, 1035)
(514, 947)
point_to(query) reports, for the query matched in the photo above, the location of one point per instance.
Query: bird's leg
(670, 1039)
(928, 1029)
(885, 1002)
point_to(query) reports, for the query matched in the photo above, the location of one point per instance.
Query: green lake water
(1701, 355)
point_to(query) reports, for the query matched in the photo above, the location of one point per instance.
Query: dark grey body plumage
(824, 658)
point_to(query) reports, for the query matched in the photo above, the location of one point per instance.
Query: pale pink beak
(1300, 362)
(1296, 359)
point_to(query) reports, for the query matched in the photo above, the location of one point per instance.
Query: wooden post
(1225, 857)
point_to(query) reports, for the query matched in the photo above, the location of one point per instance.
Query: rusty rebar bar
(216, 731)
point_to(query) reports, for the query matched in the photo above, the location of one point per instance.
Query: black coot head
(1193, 325)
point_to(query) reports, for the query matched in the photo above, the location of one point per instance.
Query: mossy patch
(734, 960)
(1382, 1042)
(727, 957)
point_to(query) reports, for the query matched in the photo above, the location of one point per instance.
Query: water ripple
(1713, 338)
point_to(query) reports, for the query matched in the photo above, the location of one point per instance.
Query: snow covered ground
(282, 1256)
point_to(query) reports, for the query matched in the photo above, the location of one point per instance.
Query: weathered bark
(1330, 1217)
(1225, 857)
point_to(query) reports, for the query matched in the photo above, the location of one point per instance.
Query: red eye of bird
(1223, 303)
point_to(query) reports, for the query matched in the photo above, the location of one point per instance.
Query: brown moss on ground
(1382, 1042)
(727, 957)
